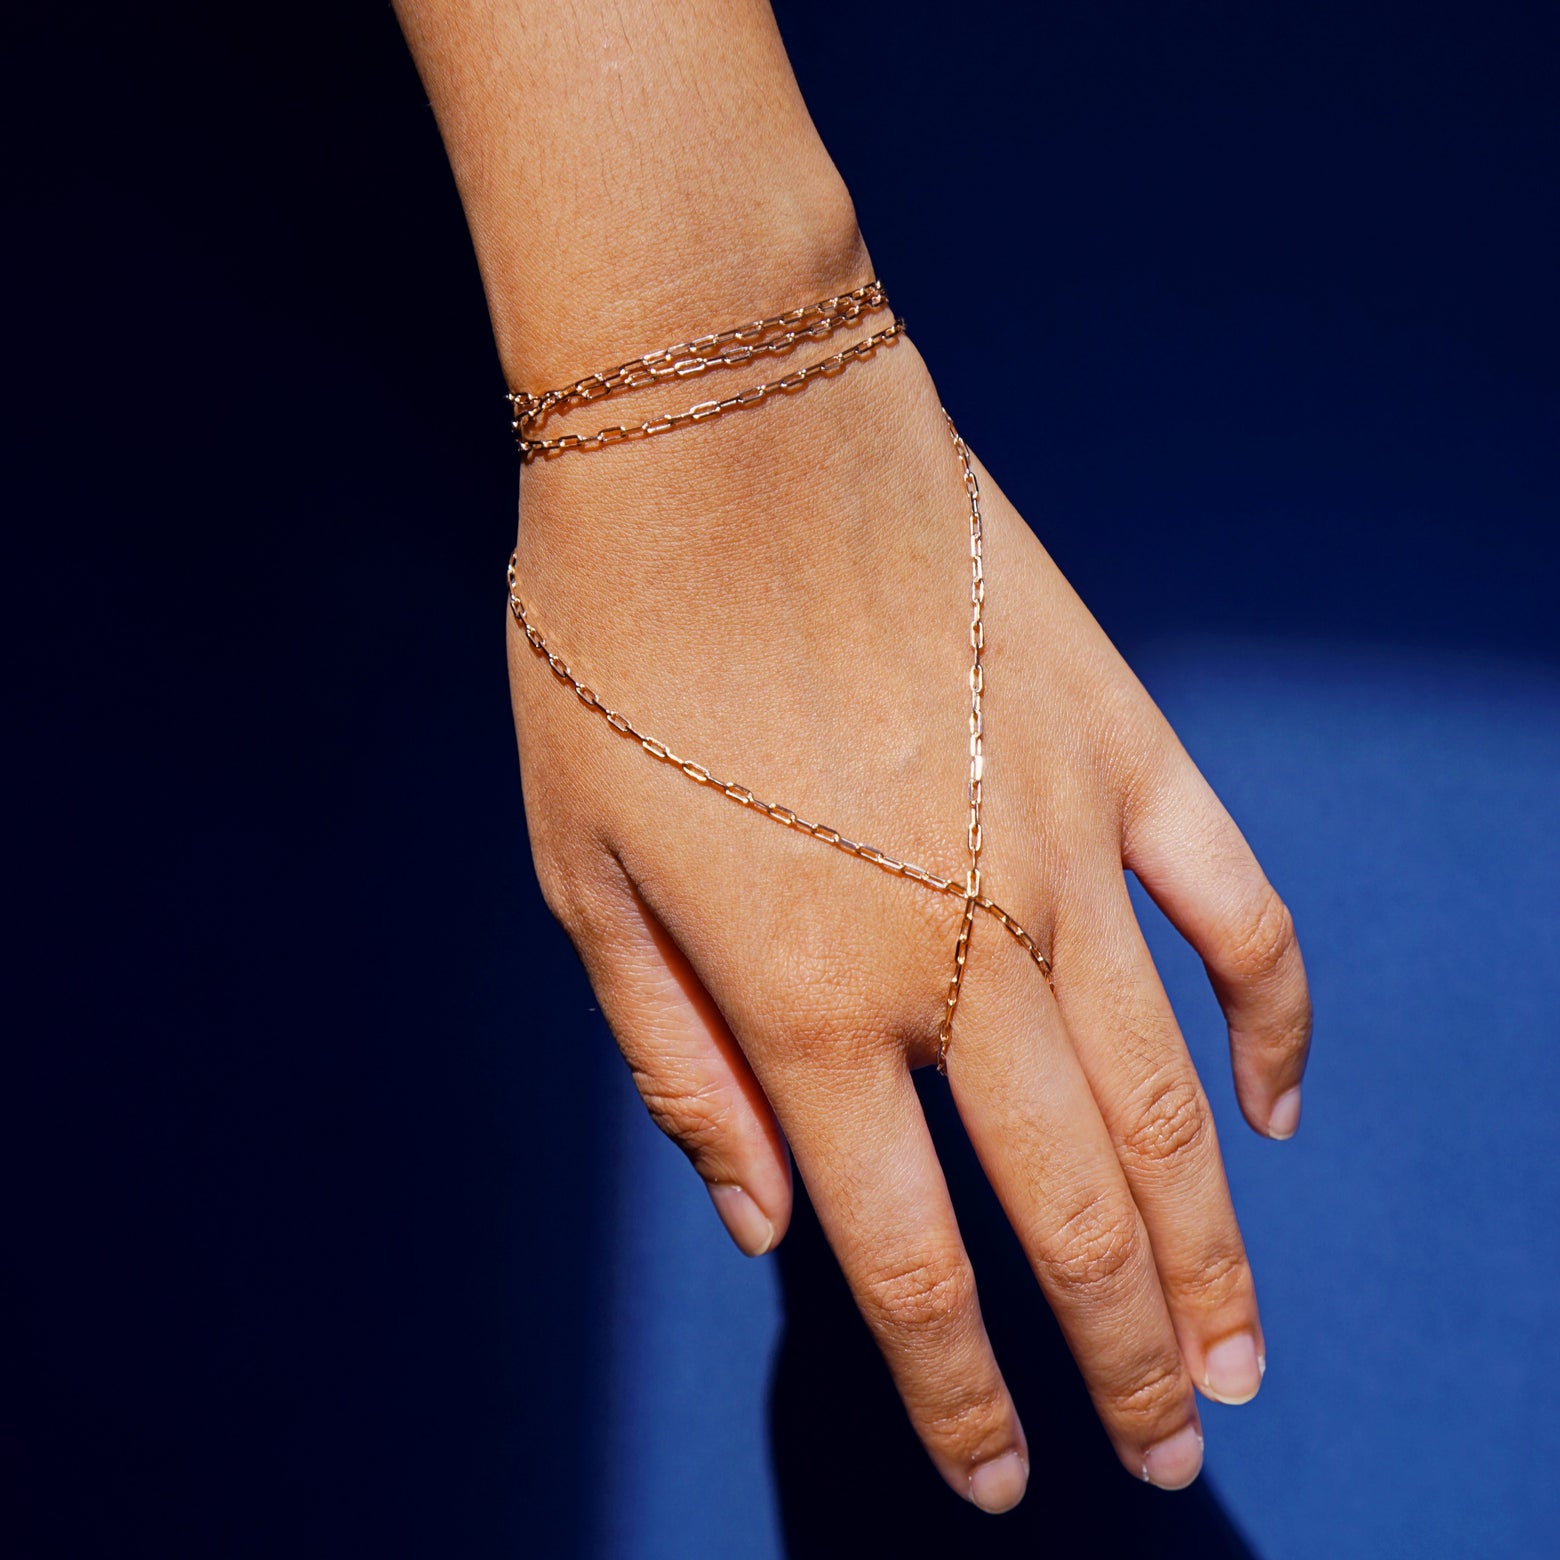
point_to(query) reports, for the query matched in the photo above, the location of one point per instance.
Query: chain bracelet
(724, 348)
(731, 348)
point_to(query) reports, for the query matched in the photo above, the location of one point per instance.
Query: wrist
(645, 277)
(745, 498)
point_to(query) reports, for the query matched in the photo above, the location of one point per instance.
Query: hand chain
(668, 363)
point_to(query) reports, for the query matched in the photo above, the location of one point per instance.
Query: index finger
(1197, 867)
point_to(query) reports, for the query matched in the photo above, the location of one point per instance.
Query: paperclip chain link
(771, 337)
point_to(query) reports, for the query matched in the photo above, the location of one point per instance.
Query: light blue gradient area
(1405, 1243)
(1408, 807)
(694, 1328)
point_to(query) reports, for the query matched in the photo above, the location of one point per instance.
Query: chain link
(618, 433)
(772, 337)
(972, 837)
(693, 357)
(722, 349)
(741, 794)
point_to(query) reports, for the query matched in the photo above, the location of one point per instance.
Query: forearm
(631, 171)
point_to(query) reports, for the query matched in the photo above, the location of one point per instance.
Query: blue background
(333, 1225)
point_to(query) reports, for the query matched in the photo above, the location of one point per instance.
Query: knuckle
(824, 1022)
(969, 1427)
(1262, 940)
(835, 1017)
(1155, 1394)
(695, 1118)
(1126, 740)
(1172, 1126)
(1094, 1245)
(1215, 1282)
(560, 887)
(929, 1295)
(1289, 1036)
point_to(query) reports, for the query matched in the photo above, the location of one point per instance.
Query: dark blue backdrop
(300, 1258)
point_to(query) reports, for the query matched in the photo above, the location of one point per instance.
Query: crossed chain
(730, 348)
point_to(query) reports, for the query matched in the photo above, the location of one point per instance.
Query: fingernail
(1175, 1462)
(1285, 1118)
(998, 1485)
(744, 1222)
(1232, 1370)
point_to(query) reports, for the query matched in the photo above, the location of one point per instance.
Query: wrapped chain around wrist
(694, 357)
(772, 337)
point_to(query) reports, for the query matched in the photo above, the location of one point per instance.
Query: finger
(863, 1148)
(689, 1069)
(1148, 1092)
(1033, 1121)
(1197, 867)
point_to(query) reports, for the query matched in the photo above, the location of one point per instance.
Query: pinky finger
(1187, 852)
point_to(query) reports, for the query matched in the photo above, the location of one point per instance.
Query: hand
(782, 596)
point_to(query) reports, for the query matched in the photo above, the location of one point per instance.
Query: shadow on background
(310, 1203)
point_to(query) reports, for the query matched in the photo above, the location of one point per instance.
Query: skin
(782, 595)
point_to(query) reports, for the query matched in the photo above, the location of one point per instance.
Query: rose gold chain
(977, 738)
(772, 337)
(970, 892)
(720, 349)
